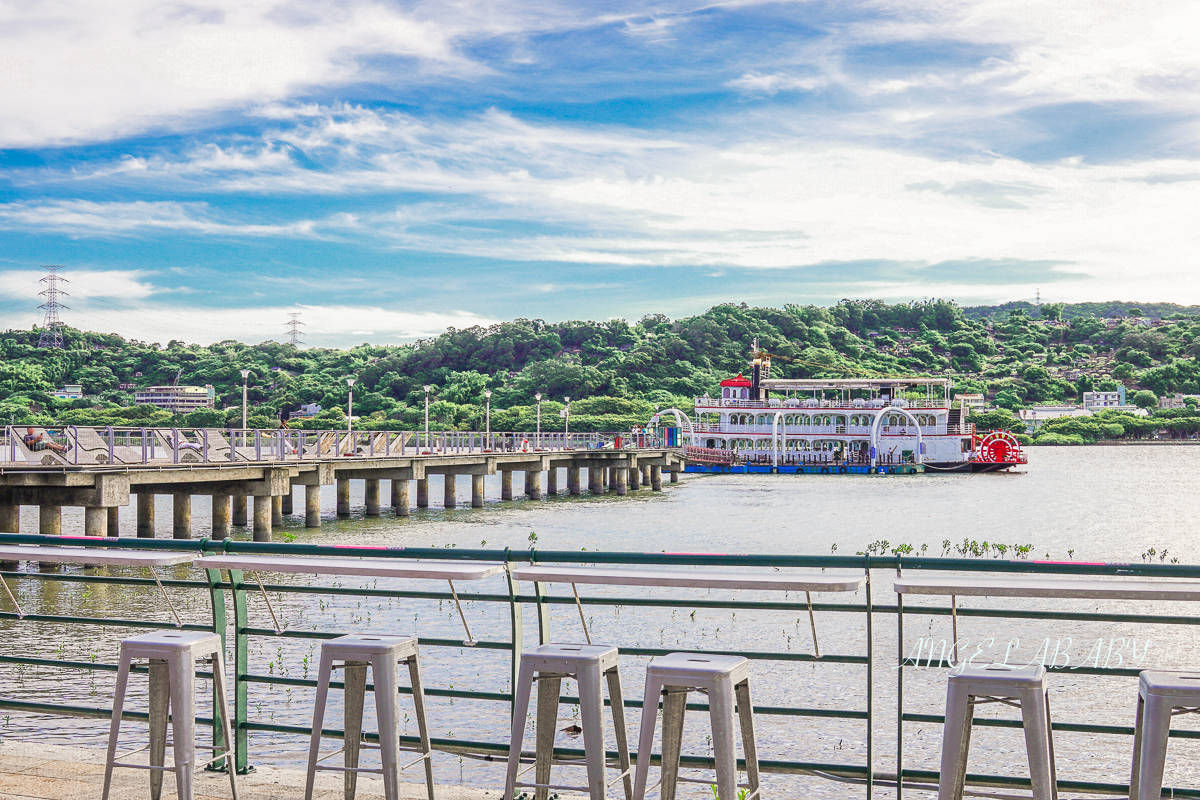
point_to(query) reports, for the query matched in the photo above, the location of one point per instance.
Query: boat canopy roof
(817, 384)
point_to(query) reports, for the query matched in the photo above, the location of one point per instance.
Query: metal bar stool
(725, 679)
(381, 654)
(548, 664)
(1020, 687)
(1161, 695)
(172, 656)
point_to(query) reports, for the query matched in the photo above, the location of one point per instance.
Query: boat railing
(841, 405)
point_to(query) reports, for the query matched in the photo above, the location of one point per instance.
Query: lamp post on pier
(350, 409)
(427, 388)
(487, 396)
(537, 439)
(567, 423)
(245, 386)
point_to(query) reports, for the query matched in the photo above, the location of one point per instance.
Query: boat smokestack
(754, 376)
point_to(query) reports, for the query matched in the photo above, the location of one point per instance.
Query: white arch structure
(680, 419)
(875, 426)
(778, 437)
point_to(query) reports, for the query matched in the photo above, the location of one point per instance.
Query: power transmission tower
(52, 326)
(294, 330)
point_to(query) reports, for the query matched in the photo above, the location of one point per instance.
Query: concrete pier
(181, 507)
(622, 481)
(262, 517)
(101, 489)
(646, 478)
(343, 497)
(450, 490)
(476, 491)
(10, 522)
(674, 476)
(400, 503)
(222, 505)
(95, 521)
(371, 494)
(656, 478)
(635, 478)
(50, 520)
(145, 515)
(312, 506)
(10, 519)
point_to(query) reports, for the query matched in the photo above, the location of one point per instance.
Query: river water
(1093, 504)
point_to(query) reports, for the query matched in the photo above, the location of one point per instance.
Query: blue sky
(391, 169)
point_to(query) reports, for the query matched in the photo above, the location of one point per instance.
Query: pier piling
(240, 512)
(552, 481)
(312, 506)
(262, 517)
(422, 492)
(145, 516)
(343, 497)
(450, 490)
(655, 478)
(371, 495)
(114, 521)
(95, 520)
(573, 480)
(477, 491)
(221, 507)
(622, 474)
(506, 484)
(181, 524)
(400, 497)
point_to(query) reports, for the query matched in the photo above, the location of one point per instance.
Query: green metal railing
(870, 771)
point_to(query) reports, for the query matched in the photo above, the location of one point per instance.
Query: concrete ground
(51, 772)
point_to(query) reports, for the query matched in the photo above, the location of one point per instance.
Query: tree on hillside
(1145, 399)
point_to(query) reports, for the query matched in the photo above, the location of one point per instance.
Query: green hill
(616, 372)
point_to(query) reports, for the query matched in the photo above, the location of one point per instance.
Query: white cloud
(324, 326)
(85, 217)
(81, 284)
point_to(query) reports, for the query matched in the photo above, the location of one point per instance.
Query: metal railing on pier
(81, 446)
(871, 767)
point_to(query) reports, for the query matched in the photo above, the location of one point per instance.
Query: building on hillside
(1035, 416)
(1098, 400)
(971, 402)
(306, 411)
(70, 391)
(1176, 400)
(177, 399)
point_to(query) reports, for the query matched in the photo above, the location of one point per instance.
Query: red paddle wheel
(999, 447)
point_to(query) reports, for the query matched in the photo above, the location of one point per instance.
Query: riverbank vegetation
(617, 373)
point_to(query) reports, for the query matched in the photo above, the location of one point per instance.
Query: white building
(971, 402)
(1099, 400)
(1035, 416)
(70, 391)
(177, 399)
